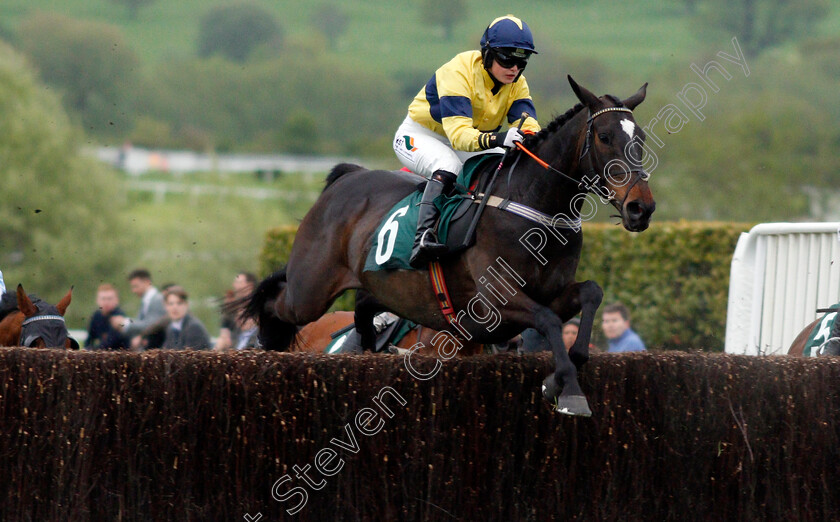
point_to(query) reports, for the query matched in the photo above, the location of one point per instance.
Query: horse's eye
(605, 138)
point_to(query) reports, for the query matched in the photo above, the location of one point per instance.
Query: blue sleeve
(520, 106)
(636, 343)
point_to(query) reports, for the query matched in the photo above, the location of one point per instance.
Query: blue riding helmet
(508, 31)
(508, 41)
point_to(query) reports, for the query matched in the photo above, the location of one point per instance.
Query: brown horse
(29, 321)
(317, 335)
(829, 345)
(531, 256)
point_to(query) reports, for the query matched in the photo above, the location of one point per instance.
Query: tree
(762, 24)
(331, 20)
(300, 134)
(233, 31)
(445, 13)
(89, 62)
(59, 220)
(133, 6)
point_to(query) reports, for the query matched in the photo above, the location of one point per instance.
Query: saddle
(394, 238)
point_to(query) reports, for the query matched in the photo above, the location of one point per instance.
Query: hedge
(674, 277)
(196, 436)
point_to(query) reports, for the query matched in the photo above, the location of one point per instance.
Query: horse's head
(43, 325)
(612, 147)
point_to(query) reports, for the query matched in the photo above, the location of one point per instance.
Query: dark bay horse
(595, 147)
(28, 321)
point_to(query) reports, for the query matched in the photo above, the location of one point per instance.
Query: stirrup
(432, 246)
(424, 252)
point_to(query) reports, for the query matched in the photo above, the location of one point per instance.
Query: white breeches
(423, 151)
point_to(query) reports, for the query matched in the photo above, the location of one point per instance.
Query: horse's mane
(340, 170)
(558, 122)
(8, 303)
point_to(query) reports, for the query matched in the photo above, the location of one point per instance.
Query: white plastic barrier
(781, 274)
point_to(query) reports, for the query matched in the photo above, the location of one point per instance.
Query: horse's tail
(340, 170)
(274, 333)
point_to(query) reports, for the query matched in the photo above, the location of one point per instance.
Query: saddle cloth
(394, 238)
(820, 333)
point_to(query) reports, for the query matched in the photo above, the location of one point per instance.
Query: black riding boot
(426, 245)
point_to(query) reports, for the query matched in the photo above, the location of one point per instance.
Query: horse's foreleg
(583, 298)
(562, 387)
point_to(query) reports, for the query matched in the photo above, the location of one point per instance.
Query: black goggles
(509, 58)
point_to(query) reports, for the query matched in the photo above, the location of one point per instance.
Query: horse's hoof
(573, 405)
(550, 389)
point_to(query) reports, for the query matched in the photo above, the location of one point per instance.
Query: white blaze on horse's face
(628, 126)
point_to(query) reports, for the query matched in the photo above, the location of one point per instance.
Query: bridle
(36, 319)
(586, 152)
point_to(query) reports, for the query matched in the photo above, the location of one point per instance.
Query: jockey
(2, 284)
(459, 113)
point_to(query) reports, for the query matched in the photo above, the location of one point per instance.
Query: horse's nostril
(634, 209)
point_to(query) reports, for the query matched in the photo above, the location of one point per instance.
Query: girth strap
(441, 292)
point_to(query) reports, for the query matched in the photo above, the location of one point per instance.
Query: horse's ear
(584, 95)
(65, 302)
(633, 101)
(24, 303)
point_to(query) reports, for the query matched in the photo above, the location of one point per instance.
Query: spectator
(154, 334)
(185, 331)
(570, 333)
(243, 284)
(615, 320)
(151, 311)
(101, 334)
(248, 337)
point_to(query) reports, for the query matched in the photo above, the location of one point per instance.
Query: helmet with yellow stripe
(508, 41)
(508, 31)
